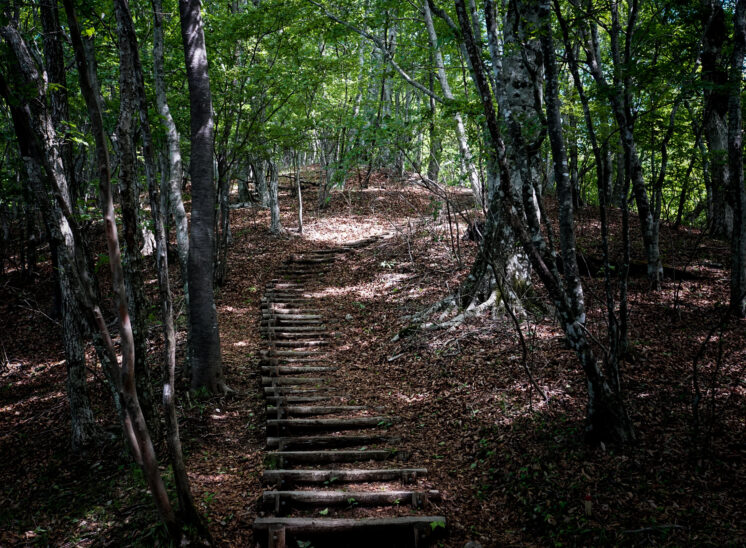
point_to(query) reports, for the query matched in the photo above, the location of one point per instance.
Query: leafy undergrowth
(512, 468)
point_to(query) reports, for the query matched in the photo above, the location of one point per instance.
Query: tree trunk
(188, 510)
(604, 422)
(207, 370)
(606, 416)
(129, 192)
(620, 107)
(224, 227)
(715, 122)
(173, 173)
(125, 374)
(275, 226)
(467, 162)
(735, 164)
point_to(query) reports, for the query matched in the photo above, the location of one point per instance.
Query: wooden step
(334, 425)
(291, 381)
(300, 344)
(281, 501)
(281, 459)
(317, 409)
(297, 391)
(327, 442)
(297, 399)
(274, 370)
(367, 531)
(291, 477)
(296, 329)
(275, 321)
(289, 353)
(281, 316)
(278, 310)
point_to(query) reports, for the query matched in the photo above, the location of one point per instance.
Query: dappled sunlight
(17, 406)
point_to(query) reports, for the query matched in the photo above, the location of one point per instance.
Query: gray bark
(605, 421)
(188, 510)
(124, 374)
(618, 96)
(129, 192)
(275, 226)
(206, 362)
(467, 162)
(173, 173)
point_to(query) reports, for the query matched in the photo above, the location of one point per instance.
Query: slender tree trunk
(604, 420)
(618, 94)
(126, 373)
(605, 412)
(275, 226)
(173, 173)
(207, 370)
(436, 147)
(296, 171)
(467, 162)
(735, 164)
(129, 192)
(224, 228)
(715, 117)
(187, 508)
(83, 426)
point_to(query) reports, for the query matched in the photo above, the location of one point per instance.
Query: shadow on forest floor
(513, 469)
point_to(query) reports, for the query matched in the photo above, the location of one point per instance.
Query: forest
(307, 273)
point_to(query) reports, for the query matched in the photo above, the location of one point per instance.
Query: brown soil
(513, 469)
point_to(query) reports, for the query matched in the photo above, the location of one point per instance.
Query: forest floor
(513, 469)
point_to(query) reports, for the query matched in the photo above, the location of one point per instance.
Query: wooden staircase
(325, 455)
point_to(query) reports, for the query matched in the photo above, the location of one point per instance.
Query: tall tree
(131, 65)
(606, 417)
(735, 163)
(207, 370)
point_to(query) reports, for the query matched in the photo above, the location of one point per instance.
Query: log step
(297, 399)
(299, 344)
(286, 311)
(289, 335)
(297, 329)
(283, 316)
(289, 353)
(273, 370)
(289, 381)
(377, 532)
(275, 321)
(289, 477)
(316, 409)
(327, 424)
(296, 391)
(326, 442)
(284, 500)
(282, 458)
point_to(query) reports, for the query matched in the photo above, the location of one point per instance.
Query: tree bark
(125, 374)
(715, 122)
(735, 164)
(174, 167)
(129, 193)
(207, 370)
(467, 161)
(188, 510)
(604, 419)
(275, 226)
(618, 96)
